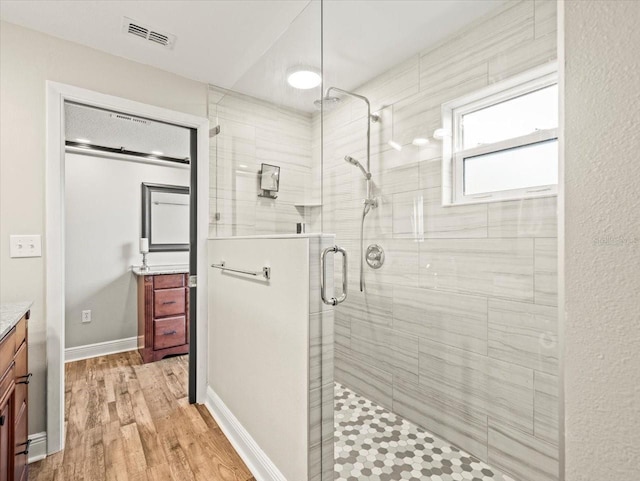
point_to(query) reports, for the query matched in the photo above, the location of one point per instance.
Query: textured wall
(27, 60)
(602, 246)
(254, 132)
(458, 330)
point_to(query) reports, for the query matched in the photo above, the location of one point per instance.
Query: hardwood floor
(129, 421)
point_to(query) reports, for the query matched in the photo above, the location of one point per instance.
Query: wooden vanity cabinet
(163, 316)
(14, 395)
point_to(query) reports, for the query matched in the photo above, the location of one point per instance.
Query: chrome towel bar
(265, 272)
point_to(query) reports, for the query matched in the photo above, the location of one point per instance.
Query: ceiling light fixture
(157, 152)
(304, 78)
(420, 141)
(83, 141)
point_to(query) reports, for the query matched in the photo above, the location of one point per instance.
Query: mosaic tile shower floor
(372, 443)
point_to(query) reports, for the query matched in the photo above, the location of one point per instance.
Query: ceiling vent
(137, 29)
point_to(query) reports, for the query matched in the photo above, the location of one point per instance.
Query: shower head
(328, 102)
(353, 161)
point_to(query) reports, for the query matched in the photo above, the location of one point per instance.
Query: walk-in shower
(370, 201)
(445, 367)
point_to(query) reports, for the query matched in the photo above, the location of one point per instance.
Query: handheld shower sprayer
(352, 161)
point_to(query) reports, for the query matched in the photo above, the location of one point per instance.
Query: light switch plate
(26, 246)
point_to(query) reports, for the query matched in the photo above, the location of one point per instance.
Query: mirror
(269, 179)
(165, 217)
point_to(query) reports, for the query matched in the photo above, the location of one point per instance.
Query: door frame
(57, 94)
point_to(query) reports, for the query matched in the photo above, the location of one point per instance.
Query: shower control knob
(375, 256)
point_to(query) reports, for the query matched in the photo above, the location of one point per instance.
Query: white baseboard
(254, 457)
(100, 349)
(38, 447)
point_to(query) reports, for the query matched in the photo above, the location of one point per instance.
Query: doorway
(197, 180)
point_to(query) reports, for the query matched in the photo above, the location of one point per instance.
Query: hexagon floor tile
(372, 443)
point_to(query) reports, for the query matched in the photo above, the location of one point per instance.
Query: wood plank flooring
(128, 421)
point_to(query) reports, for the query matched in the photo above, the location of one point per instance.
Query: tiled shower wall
(457, 331)
(253, 132)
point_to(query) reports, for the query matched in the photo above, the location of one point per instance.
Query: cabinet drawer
(169, 302)
(21, 377)
(169, 332)
(21, 332)
(167, 281)
(7, 350)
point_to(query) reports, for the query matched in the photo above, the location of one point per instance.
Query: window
(504, 141)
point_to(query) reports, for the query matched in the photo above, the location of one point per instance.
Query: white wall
(602, 240)
(103, 225)
(27, 60)
(258, 350)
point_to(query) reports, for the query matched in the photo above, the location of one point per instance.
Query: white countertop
(11, 313)
(159, 270)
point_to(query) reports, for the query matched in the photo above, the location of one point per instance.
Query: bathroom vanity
(163, 312)
(14, 388)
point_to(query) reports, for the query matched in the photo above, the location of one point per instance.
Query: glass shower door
(446, 353)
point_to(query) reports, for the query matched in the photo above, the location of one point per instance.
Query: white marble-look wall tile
(420, 114)
(491, 267)
(505, 28)
(431, 170)
(391, 350)
(398, 179)
(400, 266)
(546, 271)
(373, 306)
(502, 390)
(252, 132)
(390, 87)
(461, 425)
(456, 221)
(528, 55)
(546, 401)
(546, 17)
(522, 455)
(524, 334)
(524, 218)
(408, 215)
(276, 218)
(454, 319)
(366, 379)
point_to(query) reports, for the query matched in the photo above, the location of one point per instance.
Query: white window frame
(453, 153)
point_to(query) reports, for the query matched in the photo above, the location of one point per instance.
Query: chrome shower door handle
(323, 276)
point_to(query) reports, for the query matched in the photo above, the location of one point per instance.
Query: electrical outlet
(25, 246)
(86, 316)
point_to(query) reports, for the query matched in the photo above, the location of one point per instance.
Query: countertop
(10, 314)
(159, 270)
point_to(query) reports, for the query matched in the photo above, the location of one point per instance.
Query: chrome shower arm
(351, 94)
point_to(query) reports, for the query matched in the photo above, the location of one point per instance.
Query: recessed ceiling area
(251, 45)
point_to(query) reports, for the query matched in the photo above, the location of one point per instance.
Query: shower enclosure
(427, 143)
